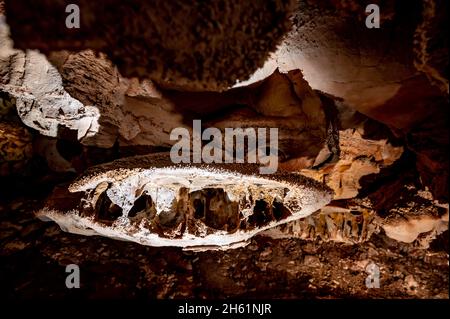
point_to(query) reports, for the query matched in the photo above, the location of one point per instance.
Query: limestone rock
(83, 94)
(132, 112)
(359, 157)
(412, 217)
(416, 217)
(360, 147)
(374, 71)
(41, 101)
(151, 201)
(285, 102)
(351, 225)
(15, 147)
(191, 44)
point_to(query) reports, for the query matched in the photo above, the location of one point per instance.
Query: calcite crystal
(149, 200)
(351, 225)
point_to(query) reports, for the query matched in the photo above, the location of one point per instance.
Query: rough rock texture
(134, 113)
(15, 147)
(352, 225)
(192, 44)
(151, 201)
(372, 70)
(397, 74)
(409, 212)
(414, 217)
(364, 112)
(370, 175)
(266, 268)
(131, 112)
(40, 99)
(102, 108)
(285, 102)
(102, 112)
(364, 149)
(409, 222)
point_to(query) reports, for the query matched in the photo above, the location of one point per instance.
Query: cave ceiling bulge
(191, 44)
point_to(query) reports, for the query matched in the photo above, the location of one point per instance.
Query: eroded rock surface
(15, 147)
(396, 75)
(153, 202)
(372, 70)
(416, 217)
(358, 157)
(132, 112)
(85, 95)
(351, 225)
(362, 111)
(266, 268)
(40, 98)
(413, 217)
(191, 44)
(285, 102)
(355, 146)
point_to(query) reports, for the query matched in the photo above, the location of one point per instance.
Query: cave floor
(33, 256)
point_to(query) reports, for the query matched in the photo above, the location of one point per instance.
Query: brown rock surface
(40, 99)
(351, 225)
(266, 268)
(285, 102)
(91, 102)
(362, 111)
(397, 75)
(372, 70)
(191, 44)
(355, 146)
(358, 157)
(87, 96)
(15, 147)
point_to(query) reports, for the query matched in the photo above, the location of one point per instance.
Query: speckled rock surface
(191, 44)
(266, 268)
(151, 201)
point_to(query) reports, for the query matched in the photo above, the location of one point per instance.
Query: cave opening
(105, 210)
(215, 209)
